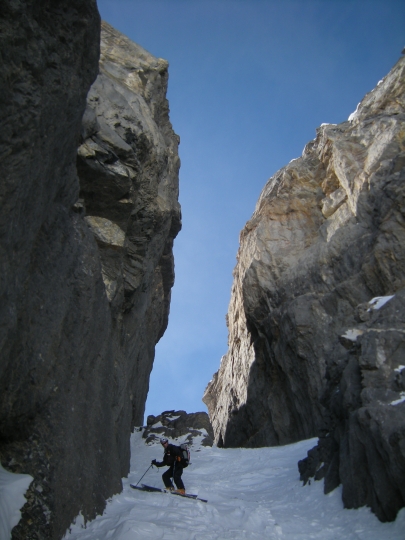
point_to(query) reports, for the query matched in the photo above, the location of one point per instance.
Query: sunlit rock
(307, 353)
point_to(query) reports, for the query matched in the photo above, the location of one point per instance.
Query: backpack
(185, 455)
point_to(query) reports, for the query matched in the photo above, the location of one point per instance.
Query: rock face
(86, 268)
(308, 352)
(175, 424)
(128, 167)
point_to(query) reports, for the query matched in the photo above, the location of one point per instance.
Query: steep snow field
(252, 494)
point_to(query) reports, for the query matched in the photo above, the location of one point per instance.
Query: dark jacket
(172, 454)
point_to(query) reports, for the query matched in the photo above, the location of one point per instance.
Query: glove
(153, 461)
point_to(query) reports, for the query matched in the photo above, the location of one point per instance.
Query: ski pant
(174, 471)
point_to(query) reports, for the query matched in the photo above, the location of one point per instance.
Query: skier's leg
(178, 471)
(167, 477)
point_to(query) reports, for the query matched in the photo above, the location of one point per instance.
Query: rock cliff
(309, 353)
(128, 168)
(86, 266)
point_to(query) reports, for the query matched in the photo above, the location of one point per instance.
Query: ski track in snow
(252, 494)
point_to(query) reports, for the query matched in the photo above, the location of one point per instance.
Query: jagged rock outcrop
(86, 268)
(175, 424)
(128, 167)
(307, 353)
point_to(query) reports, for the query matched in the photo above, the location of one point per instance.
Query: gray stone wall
(327, 236)
(86, 267)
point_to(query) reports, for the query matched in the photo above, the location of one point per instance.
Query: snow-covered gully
(252, 494)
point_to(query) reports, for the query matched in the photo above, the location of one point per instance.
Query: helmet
(163, 440)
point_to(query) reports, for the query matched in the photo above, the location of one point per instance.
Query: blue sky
(249, 82)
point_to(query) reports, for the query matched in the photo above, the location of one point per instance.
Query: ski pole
(145, 473)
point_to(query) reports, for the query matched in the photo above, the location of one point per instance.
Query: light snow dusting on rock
(379, 301)
(158, 425)
(253, 494)
(12, 491)
(352, 334)
(354, 114)
(400, 400)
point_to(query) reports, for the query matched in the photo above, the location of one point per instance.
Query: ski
(144, 487)
(188, 496)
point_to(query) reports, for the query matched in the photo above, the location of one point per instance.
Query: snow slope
(12, 490)
(252, 494)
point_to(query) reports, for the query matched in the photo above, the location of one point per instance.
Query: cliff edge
(311, 349)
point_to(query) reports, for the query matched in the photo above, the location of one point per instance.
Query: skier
(173, 459)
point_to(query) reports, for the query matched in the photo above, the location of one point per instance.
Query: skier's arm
(157, 463)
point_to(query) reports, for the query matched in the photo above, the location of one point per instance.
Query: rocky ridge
(86, 253)
(175, 424)
(308, 355)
